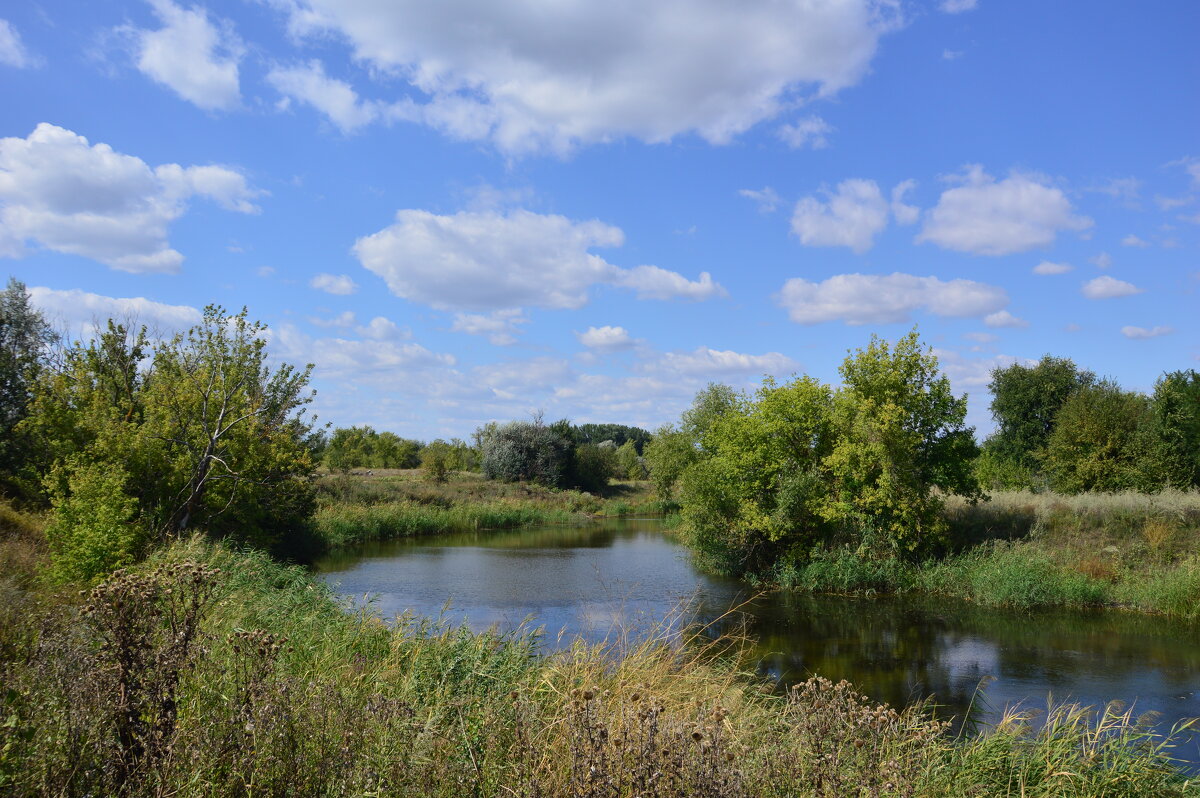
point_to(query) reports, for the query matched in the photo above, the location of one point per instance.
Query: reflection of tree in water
(898, 650)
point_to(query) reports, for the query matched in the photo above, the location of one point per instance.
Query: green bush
(92, 530)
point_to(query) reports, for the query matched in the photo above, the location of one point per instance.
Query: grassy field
(361, 507)
(211, 672)
(1133, 551)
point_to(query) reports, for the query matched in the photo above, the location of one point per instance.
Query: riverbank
(386, 504)
(1132, 551)
(274, 688)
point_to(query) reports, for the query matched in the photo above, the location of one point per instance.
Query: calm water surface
(598, 580)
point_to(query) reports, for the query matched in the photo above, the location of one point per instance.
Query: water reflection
(600, 580)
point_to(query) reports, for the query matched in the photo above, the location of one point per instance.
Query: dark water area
(604, 580)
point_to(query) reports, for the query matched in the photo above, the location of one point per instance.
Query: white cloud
(336, 99)
(1133, 241)
(904, 214)
(1047, 267)
(717, 363)
(1141, 333)
(12, 50)
(606, 337)
(1108, 288)
(489, 260)
(1102, 261)
(265, 271)
(951, 55)
(500, 325)
(876, 299)
(652, 282)
(852, 217)
(373, 361)
(191, 56)
(809, 132)
(529, 77)
(84, 312)
(89, 200)
(337, 284)
(958, 6)
(984, 216)
(383, 329)
(1125, 189)
(1191, 166)
(1002, 318)
(767, 198)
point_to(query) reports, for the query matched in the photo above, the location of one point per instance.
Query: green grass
(286, 692)
(1026, 550)
(357, 508)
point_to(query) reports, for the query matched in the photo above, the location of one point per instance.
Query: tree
(900, 441)
(528, 450)
(206, 435)
(1025, 404)
(629, 464)
(1098, 441)
(1172, 454)
(668, 455)
(761, 489)
(619, 434)
(25, 343)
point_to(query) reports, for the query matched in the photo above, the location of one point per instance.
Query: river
(624, 577)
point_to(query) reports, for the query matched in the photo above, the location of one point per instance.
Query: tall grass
(339, 525)
(282, 692)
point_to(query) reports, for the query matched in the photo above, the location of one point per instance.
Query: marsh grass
(281, 691)
(361, 508)
(1030, 550)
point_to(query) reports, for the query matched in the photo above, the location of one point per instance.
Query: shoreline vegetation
(1023, 550)
(208, 670)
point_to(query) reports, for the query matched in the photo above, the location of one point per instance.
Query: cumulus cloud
(12, 50)
(1109, 288)
(337, 284)
(605, 338)
(89, 200)
(1002, 318)
(766, 198)
(308, 83)
(367, 361)
(489, 260)
(850, 217)
(192, 56)
(1141, 333)
(1047, 268)
(811, 132)
(717, 363)
(984, 216)
(876, 299)
(1133, 241)
(381, 328)
(530, 78)
(501, 326)
(85, 313)
(1102, 261)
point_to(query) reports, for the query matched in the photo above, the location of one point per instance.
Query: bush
(92, 530)
(524, 450)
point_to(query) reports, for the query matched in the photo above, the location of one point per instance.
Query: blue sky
(467, 211)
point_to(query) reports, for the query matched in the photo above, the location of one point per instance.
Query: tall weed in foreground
(275, 690)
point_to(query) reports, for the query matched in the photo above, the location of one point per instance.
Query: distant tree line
(1062, 428)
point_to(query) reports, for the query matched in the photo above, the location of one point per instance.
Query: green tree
(436, 460)
(207, 435)
(1098, 442)
(1172, 454)
(529, 451)
(668, 454)
(761, 489)
(26, 340)
(1025, 404)
(629, 464)
(901, 441)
